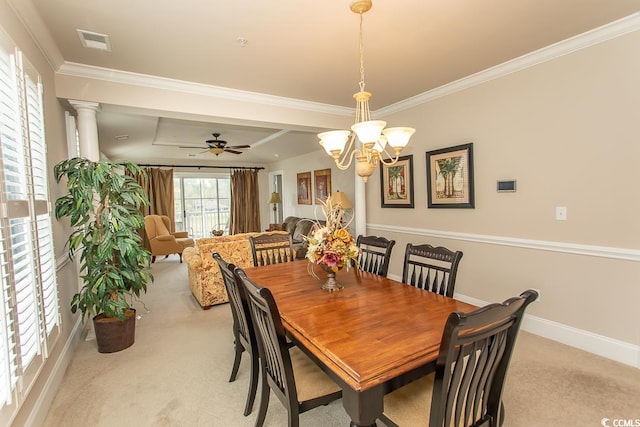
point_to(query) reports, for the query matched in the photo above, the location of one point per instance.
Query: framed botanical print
(322, 184)
(396, 183)
(304, 188)
(450, 177)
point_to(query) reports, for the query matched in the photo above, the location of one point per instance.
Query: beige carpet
(176, 374)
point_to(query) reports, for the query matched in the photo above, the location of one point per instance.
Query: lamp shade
(339, 198)
(369, 131)
(334, 140)
(398, 137)
(275, 198)
(380, 144)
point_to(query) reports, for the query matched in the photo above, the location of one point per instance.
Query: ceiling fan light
(369, 131)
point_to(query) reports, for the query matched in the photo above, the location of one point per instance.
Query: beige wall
(54, 368)
(567, 131)
(340, 180)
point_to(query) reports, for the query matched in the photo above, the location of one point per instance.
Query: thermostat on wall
(507, 186)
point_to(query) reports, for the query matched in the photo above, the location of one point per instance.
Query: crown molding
(38, 31)
(598, 35)
(602, 34)
(125, 77)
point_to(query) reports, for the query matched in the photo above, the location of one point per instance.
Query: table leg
(363, 407)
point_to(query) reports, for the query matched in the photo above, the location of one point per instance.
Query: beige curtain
(159, 187)
(245, 208)
(158, 183)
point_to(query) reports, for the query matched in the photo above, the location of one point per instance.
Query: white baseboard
(613, 349)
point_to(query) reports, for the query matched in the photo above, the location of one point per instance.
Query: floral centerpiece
(331, 246)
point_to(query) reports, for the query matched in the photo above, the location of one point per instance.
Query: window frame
(181, 217)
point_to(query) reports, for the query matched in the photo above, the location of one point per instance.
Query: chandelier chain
(361, 47)
(374, 139)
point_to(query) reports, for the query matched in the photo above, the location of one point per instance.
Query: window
(29, 309)
(202, 204)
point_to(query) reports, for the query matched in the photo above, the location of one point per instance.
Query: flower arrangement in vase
(331, 246)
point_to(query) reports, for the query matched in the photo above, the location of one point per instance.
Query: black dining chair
(279, 365)
(466, 388)
(243, 333)
(375, 254)
(271, 249)
(431, 268)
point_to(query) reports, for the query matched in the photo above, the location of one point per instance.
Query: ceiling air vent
(94, 40)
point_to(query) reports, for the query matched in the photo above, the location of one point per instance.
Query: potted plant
(102, 204)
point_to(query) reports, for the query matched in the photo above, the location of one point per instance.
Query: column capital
(85, 105)
(87, 128)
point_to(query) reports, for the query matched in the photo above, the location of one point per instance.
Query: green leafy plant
(102, 204)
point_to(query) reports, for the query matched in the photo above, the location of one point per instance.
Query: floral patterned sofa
(205, 279)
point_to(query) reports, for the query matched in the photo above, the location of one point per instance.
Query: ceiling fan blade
(239, 146)
(233, 151)
(194, 148)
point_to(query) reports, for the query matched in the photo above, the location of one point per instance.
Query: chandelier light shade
(371, 134)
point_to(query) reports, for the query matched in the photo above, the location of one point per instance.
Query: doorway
(276, 214)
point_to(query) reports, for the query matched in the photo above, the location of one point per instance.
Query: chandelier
(374, 139)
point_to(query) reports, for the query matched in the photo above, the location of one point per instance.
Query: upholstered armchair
(162, 240)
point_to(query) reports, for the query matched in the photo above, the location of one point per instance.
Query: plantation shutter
(9, 122)
(29, 303)
(45, 268)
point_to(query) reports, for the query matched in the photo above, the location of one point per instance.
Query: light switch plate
(561, 213)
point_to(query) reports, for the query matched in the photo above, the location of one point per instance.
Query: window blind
(29, 309)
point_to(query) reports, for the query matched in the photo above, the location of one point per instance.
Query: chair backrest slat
(237, 300)
(272, 343)
(472, 363)
(375, 254)
(270, 249)
(431, 268)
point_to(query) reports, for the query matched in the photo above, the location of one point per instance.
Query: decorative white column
(361, 206)
(87, 128)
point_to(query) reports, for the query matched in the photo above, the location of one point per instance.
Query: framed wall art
(450, 177)
(304, 188)
(396, 183)
(322, 184)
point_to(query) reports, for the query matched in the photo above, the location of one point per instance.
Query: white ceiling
(298, 49)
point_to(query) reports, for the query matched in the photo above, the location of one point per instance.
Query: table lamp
(339, 198)
(275, 199)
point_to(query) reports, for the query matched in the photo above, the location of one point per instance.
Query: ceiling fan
(218, 146)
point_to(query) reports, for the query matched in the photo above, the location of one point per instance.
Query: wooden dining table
(370, 337)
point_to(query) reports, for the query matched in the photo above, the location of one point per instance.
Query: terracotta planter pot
(113, 334)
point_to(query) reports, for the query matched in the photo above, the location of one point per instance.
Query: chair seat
(311, 381)
(185, 242)
(409, 405)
